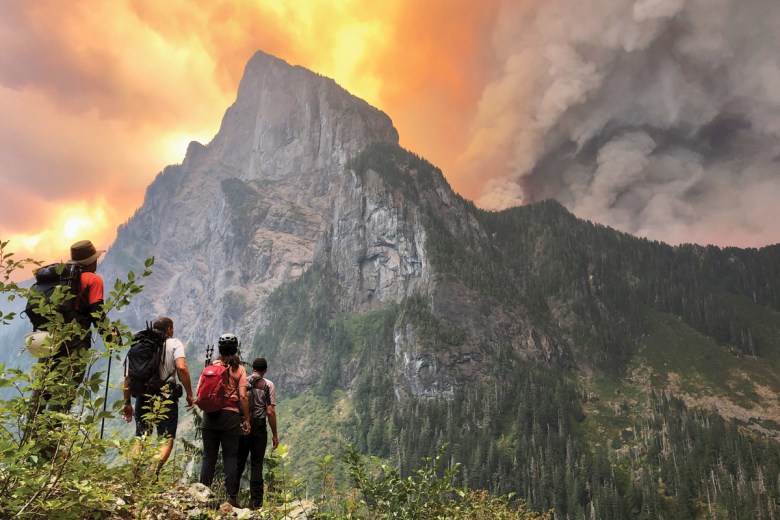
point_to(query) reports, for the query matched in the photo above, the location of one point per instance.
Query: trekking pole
(108, 378)
(209, 353)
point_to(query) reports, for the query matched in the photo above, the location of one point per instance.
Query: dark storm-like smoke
(658, 117)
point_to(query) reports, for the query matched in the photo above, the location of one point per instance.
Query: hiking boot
(233, 501)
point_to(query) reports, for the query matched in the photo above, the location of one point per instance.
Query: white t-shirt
(174, 349)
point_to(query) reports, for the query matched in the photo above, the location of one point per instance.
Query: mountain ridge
(554, 354)
(210, 189)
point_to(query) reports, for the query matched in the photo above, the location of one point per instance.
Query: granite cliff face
(400, 315)
(254, 207)
(273, 194)
(268, 197)
(304, 177)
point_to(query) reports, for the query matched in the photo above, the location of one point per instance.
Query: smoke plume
(657, 117)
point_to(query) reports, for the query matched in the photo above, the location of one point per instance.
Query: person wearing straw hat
(69, 362)
(90, 297)
(89, 303)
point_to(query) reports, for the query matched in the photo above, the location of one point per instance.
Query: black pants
(221, 428)
(70, 364)
(168, 422)
(253, 444)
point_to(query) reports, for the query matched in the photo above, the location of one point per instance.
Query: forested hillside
(651, 393)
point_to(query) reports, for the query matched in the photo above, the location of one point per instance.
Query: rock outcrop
(274, 194)
(256, 206)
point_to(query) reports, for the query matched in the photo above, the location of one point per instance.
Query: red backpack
(212, 388)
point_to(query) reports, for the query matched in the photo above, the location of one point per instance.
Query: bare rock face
(377, 250)
(256, 206)
(273, 194)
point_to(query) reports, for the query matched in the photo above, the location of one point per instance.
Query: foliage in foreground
(376, 491)
(57, 463)
(53, 457)
(380, 491)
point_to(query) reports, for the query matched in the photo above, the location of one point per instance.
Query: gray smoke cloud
(658, 117)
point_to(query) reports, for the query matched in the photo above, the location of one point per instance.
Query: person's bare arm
(243, 404)
(271, 414)
(184, 376)
(128, 409)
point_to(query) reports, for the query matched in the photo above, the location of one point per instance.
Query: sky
(660, 118)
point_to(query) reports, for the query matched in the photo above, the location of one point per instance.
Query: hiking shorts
(167, 425)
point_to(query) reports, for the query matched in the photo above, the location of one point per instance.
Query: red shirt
(91, 291)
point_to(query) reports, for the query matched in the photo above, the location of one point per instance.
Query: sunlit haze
(98, 97)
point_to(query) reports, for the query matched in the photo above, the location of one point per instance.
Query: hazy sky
(657, 117)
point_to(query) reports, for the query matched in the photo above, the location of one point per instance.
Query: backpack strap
(265, 391)
(168, 378)
(227, 377)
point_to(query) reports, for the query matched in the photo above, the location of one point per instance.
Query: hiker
(69, 359)
(262, 394)
(68, 363)
(173, 363)
(225, 426)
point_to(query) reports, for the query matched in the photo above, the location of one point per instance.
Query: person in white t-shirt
(173, 364)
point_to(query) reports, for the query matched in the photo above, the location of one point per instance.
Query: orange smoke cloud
(98, 98)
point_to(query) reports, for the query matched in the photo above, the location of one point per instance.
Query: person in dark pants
(262, 409)
(173, 364)
(224, 427)
(69, 363)
(70, 360)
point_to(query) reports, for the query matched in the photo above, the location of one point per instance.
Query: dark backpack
(146, 354)
(47, 279)
(259, 398)
(212, 388)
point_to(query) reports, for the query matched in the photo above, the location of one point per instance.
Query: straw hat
(84, 253)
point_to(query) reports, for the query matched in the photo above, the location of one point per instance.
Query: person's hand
(275, 440)
(128, 412)
(246, 426)
(190, 402)
(111, 336)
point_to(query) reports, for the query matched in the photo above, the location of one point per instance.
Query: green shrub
(380, 491)
(54, 463)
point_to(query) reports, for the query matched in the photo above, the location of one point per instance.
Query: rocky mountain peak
(257, 205)
(288, 120)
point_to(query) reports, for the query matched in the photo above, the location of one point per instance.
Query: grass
(703, 367)
(615, 408)
(673, 353)
(312, 426)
